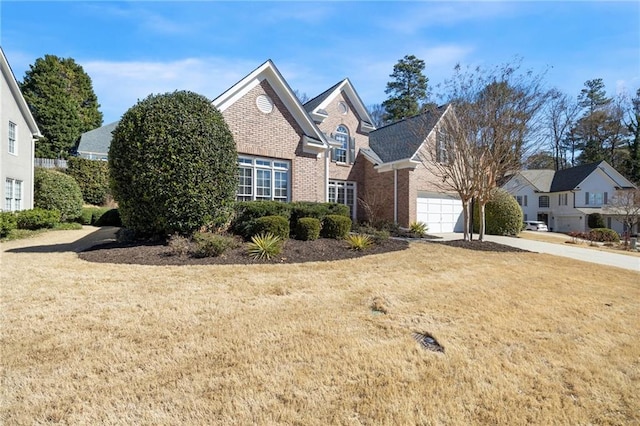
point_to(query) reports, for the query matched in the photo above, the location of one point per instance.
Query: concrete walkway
(570, 251)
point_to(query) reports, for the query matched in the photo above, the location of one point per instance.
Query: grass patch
(90, 343)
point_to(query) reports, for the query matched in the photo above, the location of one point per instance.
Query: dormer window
(345, 152)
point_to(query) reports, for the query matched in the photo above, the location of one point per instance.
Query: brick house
(328, 150)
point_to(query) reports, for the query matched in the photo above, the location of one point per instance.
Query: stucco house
(326, 150)
(19, 132)
(563, 199)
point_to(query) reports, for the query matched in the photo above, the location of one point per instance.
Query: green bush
(595, 221)
(503, 215)
(173, 165)
(300, 209)
(54, 190)
(419, 229)
(246, 213)
(336, 226)
(8, 222)
(92, 177)
(308, 229)
(38, 218)
(276, 225)
(90, 215)
(604, 235)
(212, 245)
(110, 217)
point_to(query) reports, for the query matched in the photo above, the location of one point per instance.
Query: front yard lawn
(317, 343)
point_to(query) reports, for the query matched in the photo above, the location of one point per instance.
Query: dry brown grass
(88, 344)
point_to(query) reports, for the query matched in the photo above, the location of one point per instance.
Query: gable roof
(10, 78)
(402, 139)
(313, 140)
(97, 141)
(570, 179)
(316, 107)
(539, 179)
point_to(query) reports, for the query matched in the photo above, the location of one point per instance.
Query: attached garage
(441, 212)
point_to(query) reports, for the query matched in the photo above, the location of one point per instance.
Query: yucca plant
(419, 228)
(359, 241)
(264, 246)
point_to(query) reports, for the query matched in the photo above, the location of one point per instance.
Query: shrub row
(601, 235)
(92, 178)
(28, 219)
(99, 216)
(283, 219)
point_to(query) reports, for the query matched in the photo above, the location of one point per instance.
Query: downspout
(395, 195)
(326, 176)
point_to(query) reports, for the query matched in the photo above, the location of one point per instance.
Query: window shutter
(586, 198)
(352, 150)
(333, 155)
(525, 201)
(605, 199)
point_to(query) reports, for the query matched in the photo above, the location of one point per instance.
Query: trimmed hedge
(276, 225)
(8, 222)
(247, 212)
(336, 226)
(308, 229)
(503, 215)
(596, 221)
(54, 190)
(173, 165)
(92, 177)
(604, 235)
(37, 219)
(300, 209)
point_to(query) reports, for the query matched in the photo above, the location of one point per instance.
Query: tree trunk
(465, 219)
(482, 222)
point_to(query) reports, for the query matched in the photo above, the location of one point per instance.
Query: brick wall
(276, 135)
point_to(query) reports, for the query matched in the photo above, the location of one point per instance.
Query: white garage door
(440, 212)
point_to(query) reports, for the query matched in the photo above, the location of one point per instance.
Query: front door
(544, 217)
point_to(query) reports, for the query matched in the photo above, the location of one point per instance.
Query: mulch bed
(294, 251)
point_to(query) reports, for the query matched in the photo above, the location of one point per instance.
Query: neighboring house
(94, 144)
(18, 131)
(563, 199)
(326, 150)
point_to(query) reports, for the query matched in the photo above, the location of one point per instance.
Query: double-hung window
(343, 192)
(595, 198)
(543, 201)
(522, 200)
(346, 151)
(563, 199)
(12, 195)
(262, 179)
(13, 132)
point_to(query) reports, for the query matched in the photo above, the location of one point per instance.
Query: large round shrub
(595, 221)
(54, 190)
(503, 215)
(173, 165)
(92, 177)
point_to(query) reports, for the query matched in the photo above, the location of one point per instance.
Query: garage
(441, 212)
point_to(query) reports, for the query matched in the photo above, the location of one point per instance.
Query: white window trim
(12, 188)
(347, 185)
(12, 143)
(272, 165)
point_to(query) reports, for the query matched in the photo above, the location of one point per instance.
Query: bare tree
(625, 205)
(560, 115)
(493, 123)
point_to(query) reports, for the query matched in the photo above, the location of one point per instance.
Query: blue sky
(133, 49)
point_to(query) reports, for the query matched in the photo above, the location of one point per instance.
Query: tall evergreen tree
(61, 97)
(599, 131)
(632, 165)
(407, 90)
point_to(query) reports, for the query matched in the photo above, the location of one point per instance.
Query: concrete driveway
(565, 250)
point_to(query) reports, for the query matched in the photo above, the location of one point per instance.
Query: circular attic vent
(343, 108)
(264, 104)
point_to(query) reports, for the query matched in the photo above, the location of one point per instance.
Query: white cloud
(119, 85)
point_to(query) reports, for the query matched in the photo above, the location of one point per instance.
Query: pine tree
(61, 97)
(632, 165)
(408, 89)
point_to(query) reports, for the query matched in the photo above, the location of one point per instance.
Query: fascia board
(17, 95)
(407, 163)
